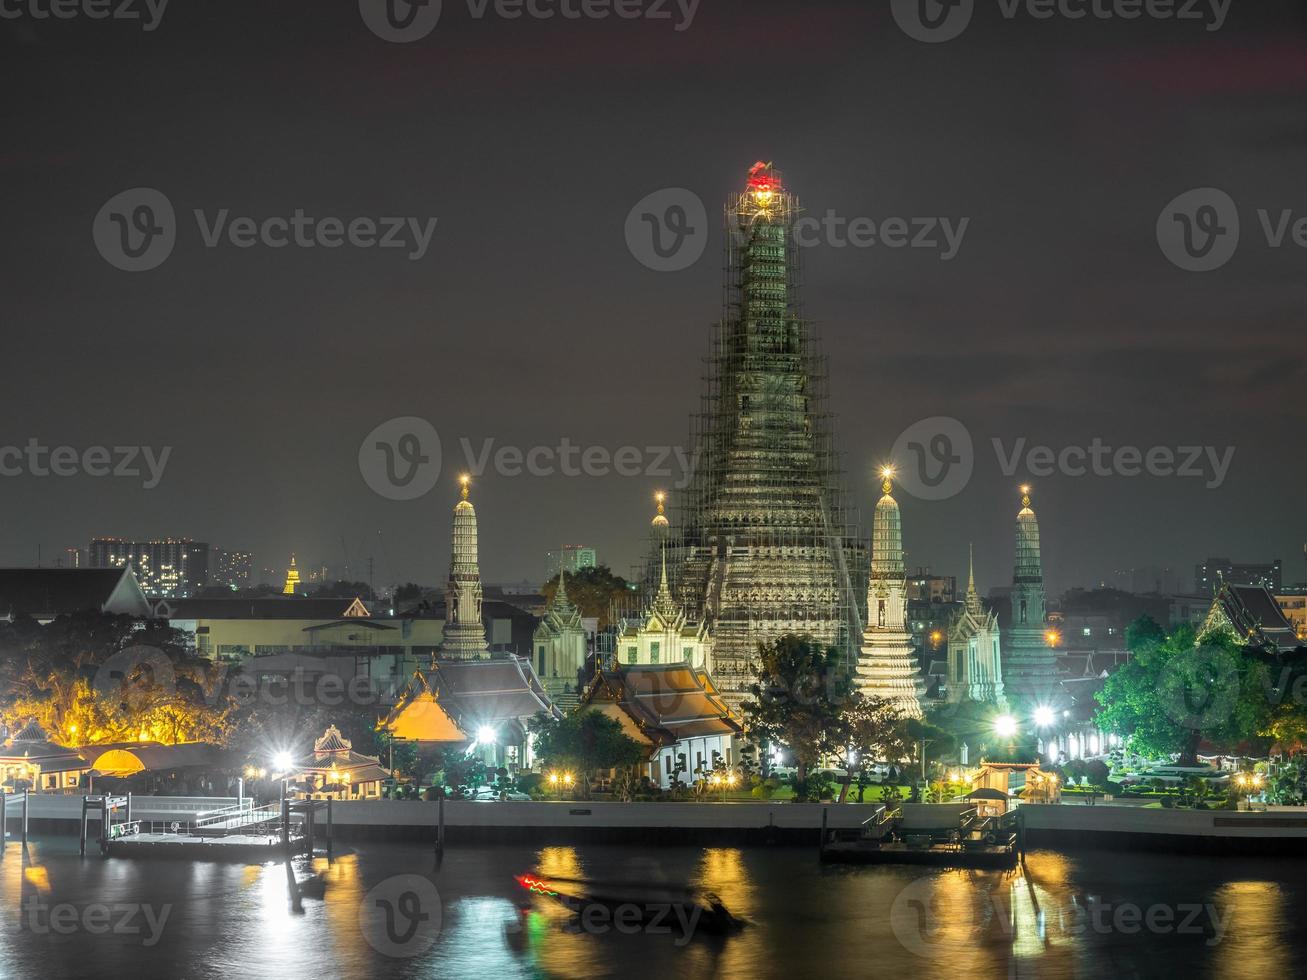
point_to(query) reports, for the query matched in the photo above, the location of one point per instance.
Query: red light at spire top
(761, 178)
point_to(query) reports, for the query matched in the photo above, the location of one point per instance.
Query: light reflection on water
(232, 920)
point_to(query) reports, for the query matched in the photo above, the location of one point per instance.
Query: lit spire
(464, 636)
(292, 578)
(660, 519)
(664, 604)
(973, 597)
(887, 534)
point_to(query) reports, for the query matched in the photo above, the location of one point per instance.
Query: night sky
(529, 320)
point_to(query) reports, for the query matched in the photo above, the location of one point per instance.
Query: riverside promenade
(1277, 831)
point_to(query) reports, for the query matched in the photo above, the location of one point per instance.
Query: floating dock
(934, 835)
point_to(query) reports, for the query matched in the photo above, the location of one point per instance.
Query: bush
(763, 789)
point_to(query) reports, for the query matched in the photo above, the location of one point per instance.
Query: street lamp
(1044, 717)
(1005, 726)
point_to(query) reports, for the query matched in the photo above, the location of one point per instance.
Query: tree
(584, 742)
(592, 590)
(796, 699)
(1174, 694)
(92, 678)
(345, 590)
(872, 728)
(408, 592)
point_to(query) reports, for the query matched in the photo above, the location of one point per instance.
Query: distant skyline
(528, 320)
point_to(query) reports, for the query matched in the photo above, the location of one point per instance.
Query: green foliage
(1173, 694)
(1288, 787)
(796, 699)
(95, 678)
(592, 590)
(583, 742)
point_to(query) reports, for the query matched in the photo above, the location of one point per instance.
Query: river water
(387, 911)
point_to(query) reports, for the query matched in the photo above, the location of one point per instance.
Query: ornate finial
(660, 519)
(1025, 495)
(887, 479)
(464, 480)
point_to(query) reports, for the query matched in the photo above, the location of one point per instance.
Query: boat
(650, 907)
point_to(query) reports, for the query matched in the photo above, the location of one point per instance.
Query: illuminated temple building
(1030, 671)
(464, 633)
(765, 544)
(887, 665)
(975, 665)
(560, 647)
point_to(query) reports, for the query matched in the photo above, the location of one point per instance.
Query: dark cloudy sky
(529, 320)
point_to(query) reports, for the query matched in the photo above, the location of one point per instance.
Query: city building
(560, 645)
(922, 586)
(232, 569)
(975, 663)
(1294, 608)
(1210, 575)
(177, 567)
(570, 558)
(45, 593)
(764, 542)
(674, 712)
(1030, 677)
(887, 662)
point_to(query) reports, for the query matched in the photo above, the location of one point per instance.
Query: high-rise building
(232, 569)
(1210, 575)
(1029, 662)
(570, 558)
(465, 634)
(171, 567)
(887, 664)
(765, 543)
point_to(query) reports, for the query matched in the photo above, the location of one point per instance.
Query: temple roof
(667, 702)
(456, 697)
(1251, 613)
(60, 591)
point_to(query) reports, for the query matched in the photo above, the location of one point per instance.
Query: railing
(224, 813)
(189, 804)
(237, 818)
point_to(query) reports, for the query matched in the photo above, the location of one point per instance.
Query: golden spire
(887, 479)
(464, 480)
(1025, 495)
(292, 578)
(660, 519)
